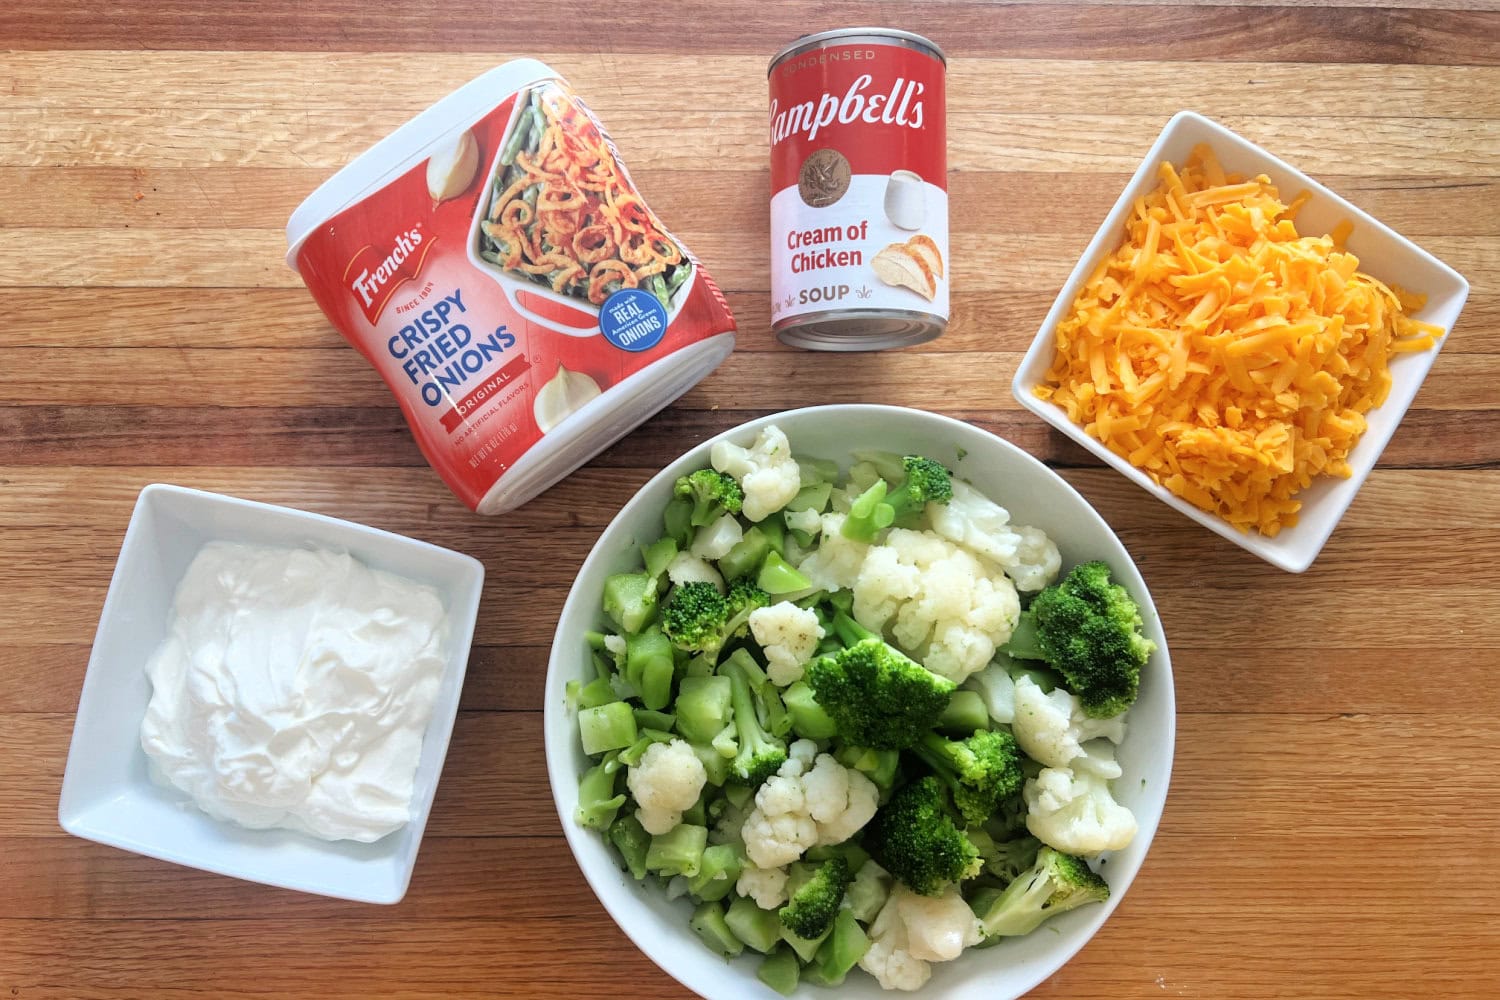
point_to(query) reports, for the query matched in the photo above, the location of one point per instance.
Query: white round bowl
(1034, 495)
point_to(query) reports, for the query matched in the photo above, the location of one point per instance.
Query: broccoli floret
(915, 839)
(980, 771)
(743, 597)
(694, 616)
(712, 492)
(1055, 883)
(760, 754)
(1089, 630)
(697, 618)
(876, 695)
(813, 906)
(882, 505)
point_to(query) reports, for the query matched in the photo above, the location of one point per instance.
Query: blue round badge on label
(633, 320)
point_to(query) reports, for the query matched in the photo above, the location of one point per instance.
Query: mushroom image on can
(859, 190)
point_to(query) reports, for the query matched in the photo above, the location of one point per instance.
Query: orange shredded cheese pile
(1224, 354)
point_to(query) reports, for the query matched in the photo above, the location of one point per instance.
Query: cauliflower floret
(766, 471)
(767, 886)
(668, 780)
(912, 931)
(807, 802)
(939, 928)
(807, 520)
(789, 635)
(836, 563)
(840, 800)
(1072, 809)
(979, 524)
(1052, 728)
(776, 839)
(943, 605)
(688, 568)
(715, 539)
(995, 685)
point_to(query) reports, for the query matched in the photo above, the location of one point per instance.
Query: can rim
(806, 42)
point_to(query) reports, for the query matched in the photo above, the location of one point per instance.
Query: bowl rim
(71, 814)
(556, 716)
(1292, 551)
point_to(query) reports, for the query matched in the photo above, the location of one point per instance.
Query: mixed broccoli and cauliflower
(859, 719)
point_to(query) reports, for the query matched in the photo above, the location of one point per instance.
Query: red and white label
(859, 203)
(485, 357)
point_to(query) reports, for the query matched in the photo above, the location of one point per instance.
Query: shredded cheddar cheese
(1225, 355)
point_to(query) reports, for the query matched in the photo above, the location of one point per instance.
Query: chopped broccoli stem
(595, 693)
(679, 851)
(780, 971)
(812, 497)
(745, 556)
(839, 952)
(632, 841)
(880, 766)
(966, 713)
(607, 727)
(869, 514)
(598, 802)
(703, 707)
(677, 522)
(658, 554)
(1055, 883)
(720, 869)
(757, 928)
(916, 840)
(708, 923)
(715, 764)
(809, 721)
(630, 600)
(805, 948)
(647, 718)
(817, 470)
(650, 667)
(777, 576)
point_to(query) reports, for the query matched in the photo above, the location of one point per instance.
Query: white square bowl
(1382, 253)
(107, 795)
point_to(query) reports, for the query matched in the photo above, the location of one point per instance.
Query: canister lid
(404, 148)
(889, 36)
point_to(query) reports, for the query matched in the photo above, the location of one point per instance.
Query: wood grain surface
(1332, 822)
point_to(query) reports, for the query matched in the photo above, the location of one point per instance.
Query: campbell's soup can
(496, 264)
(859, 190)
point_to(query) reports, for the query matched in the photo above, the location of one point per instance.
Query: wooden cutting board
(1336, 793)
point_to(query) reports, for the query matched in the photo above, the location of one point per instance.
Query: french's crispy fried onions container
(495, 263)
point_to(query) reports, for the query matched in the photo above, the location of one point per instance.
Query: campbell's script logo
(901, 105)
(375, 272)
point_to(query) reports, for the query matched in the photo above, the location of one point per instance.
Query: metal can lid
(909, 38)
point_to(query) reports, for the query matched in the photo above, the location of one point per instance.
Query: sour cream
(293, 690)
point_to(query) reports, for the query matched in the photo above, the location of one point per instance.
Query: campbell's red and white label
(505, 283)
(859, 203)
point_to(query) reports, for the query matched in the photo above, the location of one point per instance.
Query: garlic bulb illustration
(452, 166)
(562, 395)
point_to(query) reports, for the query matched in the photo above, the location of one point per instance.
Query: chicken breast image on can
(495, 263)
(859, 200)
